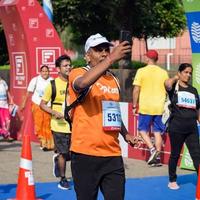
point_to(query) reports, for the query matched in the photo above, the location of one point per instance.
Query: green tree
(85, 17)
(77, 19)
(3, 48)
(144, 18)
(159, 19)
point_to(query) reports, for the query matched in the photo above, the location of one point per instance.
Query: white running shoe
(173, 186)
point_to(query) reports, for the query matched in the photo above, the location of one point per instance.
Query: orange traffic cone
(198, 186)
(25, 186)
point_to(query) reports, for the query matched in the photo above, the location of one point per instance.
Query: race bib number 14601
(186, 100)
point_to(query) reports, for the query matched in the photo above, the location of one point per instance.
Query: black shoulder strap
(84, 93)
(76, 102)
(53, 89)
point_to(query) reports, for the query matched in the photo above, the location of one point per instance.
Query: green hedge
(5, 67)
(80, 62)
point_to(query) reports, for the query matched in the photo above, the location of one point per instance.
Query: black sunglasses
(101, 48)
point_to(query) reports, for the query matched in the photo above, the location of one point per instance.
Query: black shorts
(91, 173)
(62, 142)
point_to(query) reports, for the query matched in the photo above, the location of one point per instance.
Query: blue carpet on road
(149, 188)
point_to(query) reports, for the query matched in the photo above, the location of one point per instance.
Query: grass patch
(5, 67)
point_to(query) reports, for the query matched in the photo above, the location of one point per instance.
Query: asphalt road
(42, 165)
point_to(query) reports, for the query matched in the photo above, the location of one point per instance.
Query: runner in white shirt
(36, 88)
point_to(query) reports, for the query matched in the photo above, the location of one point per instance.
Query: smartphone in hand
(125, 35)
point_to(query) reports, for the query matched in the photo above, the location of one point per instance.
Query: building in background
(172, 51)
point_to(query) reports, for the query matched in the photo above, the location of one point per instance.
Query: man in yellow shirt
(149, 92)
(60, 128)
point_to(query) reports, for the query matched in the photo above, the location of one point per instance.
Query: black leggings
(177, 140)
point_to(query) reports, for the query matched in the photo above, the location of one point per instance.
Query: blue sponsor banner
(192, 9)
(48, 9)
(193, 21)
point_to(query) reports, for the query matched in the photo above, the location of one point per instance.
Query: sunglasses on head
(101, 48)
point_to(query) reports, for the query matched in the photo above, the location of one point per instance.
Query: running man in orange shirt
(96, 159)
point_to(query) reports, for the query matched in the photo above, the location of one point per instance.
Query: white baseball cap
(95, 40)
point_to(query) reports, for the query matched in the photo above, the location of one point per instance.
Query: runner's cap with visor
(95, 40)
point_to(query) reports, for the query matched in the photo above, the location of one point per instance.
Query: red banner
(32, 42)
(142, 153)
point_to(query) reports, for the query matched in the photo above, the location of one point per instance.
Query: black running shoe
(153, 157)
(64, 184)
(156, 164)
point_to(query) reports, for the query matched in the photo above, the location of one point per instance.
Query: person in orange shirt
(96, 160)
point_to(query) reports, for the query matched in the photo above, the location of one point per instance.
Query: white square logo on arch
(31, 3)
(47, 56)
(49, 33)
(33, 23)
(19, 74)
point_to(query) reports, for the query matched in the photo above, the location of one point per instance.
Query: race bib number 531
(111, 116)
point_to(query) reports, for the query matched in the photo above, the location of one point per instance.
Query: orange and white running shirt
(88, 136)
